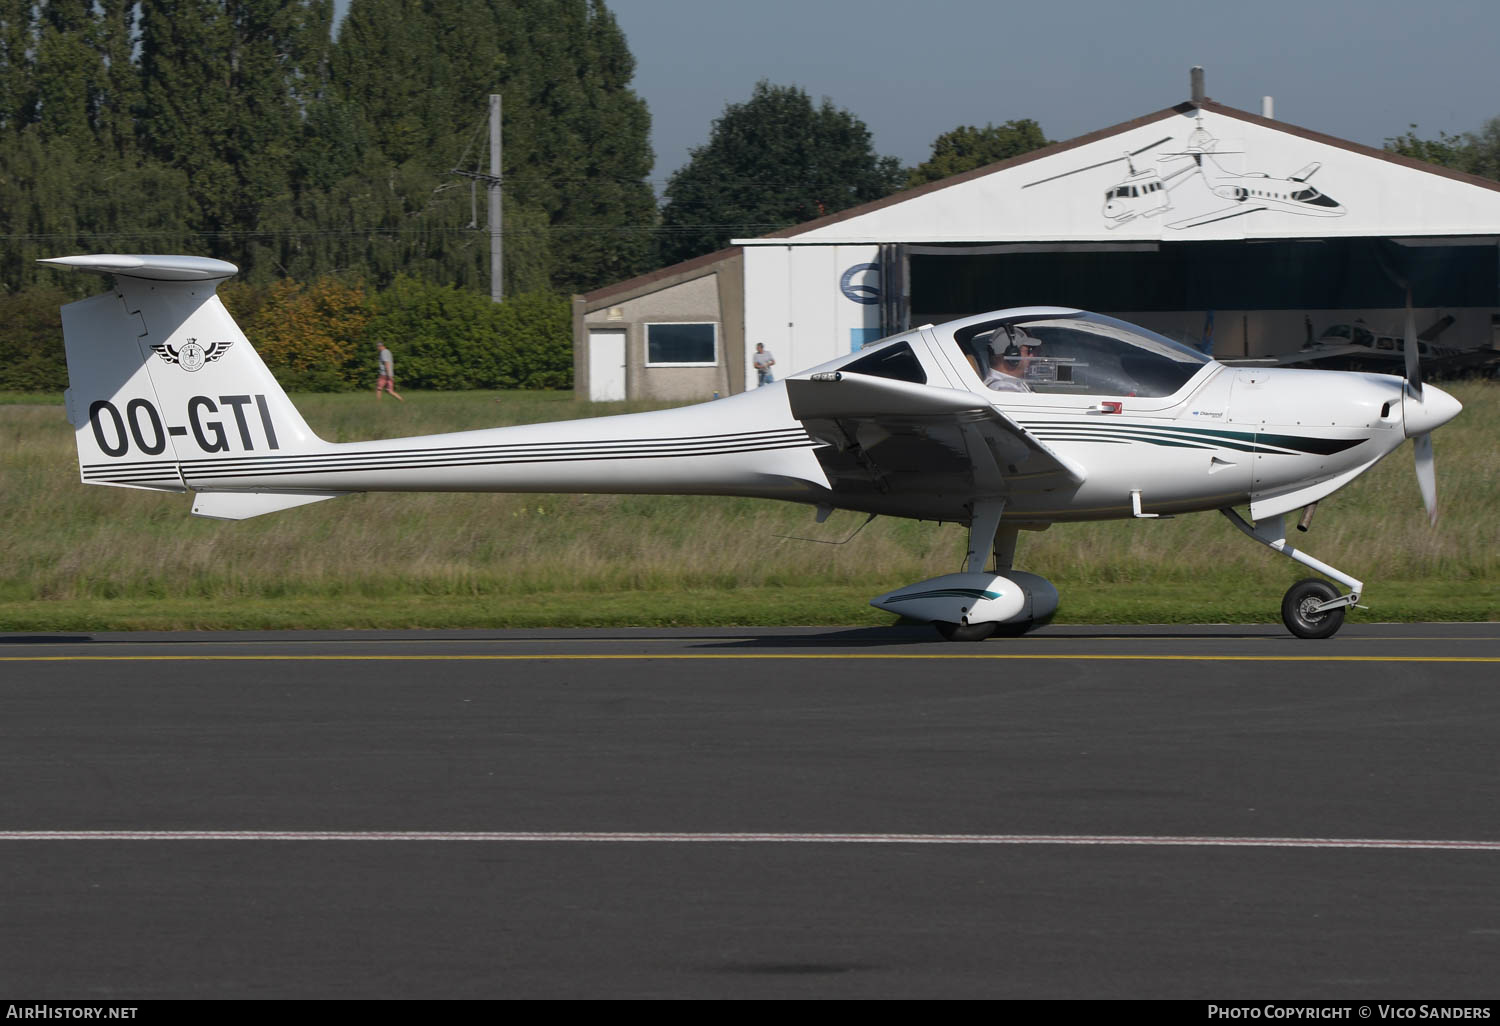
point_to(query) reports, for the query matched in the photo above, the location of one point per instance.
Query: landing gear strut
(989, 538)
(1311, 608)
(985, 533)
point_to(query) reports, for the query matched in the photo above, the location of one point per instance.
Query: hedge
(322, 336)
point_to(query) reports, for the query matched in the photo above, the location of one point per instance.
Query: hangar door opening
(1235, 298)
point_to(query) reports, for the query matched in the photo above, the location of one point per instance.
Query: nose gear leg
(1313, 612)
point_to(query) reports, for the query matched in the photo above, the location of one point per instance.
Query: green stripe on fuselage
(1241, 441)
(973, 593)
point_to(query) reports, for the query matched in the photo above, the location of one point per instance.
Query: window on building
(682, 345)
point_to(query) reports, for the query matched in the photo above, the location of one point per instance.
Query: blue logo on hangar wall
(864, 292)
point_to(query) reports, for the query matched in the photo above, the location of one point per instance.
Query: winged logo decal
(191, 356)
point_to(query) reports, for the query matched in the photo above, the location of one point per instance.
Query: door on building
(606, 366)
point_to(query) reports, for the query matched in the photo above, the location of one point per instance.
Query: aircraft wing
(1316, 354)
(939, 447)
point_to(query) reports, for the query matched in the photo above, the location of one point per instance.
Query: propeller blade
(1426, 474)
(1413, 361)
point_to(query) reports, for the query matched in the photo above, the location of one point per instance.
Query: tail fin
(161, 379)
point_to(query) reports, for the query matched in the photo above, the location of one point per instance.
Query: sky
(1361, 70)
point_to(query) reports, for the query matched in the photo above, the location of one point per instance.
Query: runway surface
(1204, 812)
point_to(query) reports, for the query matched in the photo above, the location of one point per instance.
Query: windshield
(1077, 354)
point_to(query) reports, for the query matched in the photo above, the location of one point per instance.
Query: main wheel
(964, 631)
(1299, 605)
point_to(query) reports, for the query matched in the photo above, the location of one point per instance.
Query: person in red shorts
(387, 378)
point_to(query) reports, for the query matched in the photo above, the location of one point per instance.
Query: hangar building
(1231, 231)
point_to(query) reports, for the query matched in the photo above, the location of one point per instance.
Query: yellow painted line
(842, 656)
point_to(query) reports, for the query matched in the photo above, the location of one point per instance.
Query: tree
(385, 62)
(1446, 150)
(447, 338)
(967, 147)
(1477, 153)
(121, 81)
(71, 175)
(238, 129)
(772, 161)
(536, 348)
(17, 23)
(599, 149)
(33, 346)
(67, 70)
(416, 76)
(312, 336)
(221, 86)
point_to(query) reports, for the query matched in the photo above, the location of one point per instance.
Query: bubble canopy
(1078, 353)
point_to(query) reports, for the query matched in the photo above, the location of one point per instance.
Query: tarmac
(1086, 812)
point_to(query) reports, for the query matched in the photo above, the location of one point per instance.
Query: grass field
(89, 558)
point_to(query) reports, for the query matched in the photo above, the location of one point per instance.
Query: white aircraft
(1107, 420)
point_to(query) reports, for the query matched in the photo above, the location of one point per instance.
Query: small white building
(1228, 230)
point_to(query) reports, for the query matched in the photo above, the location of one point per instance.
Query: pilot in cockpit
(1011, 351)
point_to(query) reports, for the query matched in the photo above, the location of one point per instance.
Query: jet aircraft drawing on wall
(1098, 419)
(1147, 193)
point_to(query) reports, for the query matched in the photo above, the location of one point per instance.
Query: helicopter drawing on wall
(1143, 194)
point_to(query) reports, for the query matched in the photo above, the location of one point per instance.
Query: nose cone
(1433, 410)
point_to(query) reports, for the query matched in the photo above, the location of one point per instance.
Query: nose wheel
(1302, 612)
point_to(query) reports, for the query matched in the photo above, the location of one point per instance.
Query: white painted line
(582, 657)
(583, 837)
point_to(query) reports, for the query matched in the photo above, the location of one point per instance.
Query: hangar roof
(672, 274)
(1187, 173)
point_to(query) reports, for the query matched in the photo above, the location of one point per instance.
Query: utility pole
(492, 182)
(497, 261)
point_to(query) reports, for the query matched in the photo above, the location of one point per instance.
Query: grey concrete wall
(712, 293)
